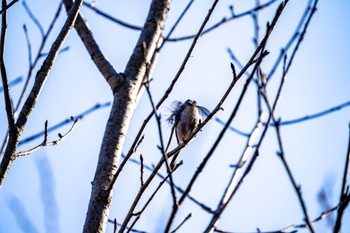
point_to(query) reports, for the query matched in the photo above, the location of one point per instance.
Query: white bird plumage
(185, 118)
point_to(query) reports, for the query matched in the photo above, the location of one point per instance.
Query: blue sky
(315, 150)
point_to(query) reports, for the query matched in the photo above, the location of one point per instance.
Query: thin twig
(138, 214)
(38, 56)
(239, 166)
(286, 67)
(222, 100)
(218, 212)
(13, 83)
(229, 190)
(301, 37)
(344, 192)
(139, 194)
(292, 228)
(322, 216)
(113, 19)
(218, 107)
(221, 122)
(296, 34)
(29, 45)
(250, 165)
(41, 77)
(139, 143)
(194, 200)
(256, 39)
(315, 115)
(115, 226)
(236, 78)
(141, 170)
(34, 19)
(223, 21)
(294, 121)
(80, 116)
(162, 148)
(166, 94)
(45, 143)
(93, 48)
(170, 138)
(255, 18)
(7, 6)
(182, 223)
(64, 49)
(131, 230)
(177, 22)
(6, 89)
(297, 188)
(31, 68)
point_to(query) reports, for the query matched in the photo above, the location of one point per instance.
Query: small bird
(185, 118)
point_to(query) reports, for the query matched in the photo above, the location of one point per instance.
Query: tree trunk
(125, 90)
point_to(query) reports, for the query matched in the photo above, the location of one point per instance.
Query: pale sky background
(315, 150)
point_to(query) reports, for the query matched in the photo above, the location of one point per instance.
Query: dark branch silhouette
(8, 6)
(80, 116)
(113, 19)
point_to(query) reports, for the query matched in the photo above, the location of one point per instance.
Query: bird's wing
(203, 111)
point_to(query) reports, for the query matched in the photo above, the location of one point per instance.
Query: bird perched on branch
(185, 118)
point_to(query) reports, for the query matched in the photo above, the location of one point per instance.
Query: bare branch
(238, 168)
(125, 88)
(138, 215)
(5, 84)
(93, 49)
(223, 21)
(272, 109)
(115, 226)
(217, 108)
(294, 121)
(295, 36)
(182, 223)
(12, 83)
(34, 19)
(118, 224)
(45, 143)
(29, 45)
(315, 115)
(344, 192)
(301, 37)
(167, 92)
(141, 170)
(139, 194)
(32, 64)
(7, 6)
(218, 212)
(41, 77)
(221, 122)
(178, 20)
(113, 19)
(179, 189)
(292, 228)
(162, 148)
(80, 116)
(145, 185)
(297, 188)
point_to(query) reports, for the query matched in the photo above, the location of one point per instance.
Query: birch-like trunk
(125, 89)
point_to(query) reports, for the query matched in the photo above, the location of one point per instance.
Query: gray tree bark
(16, 131)
(125, 87)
